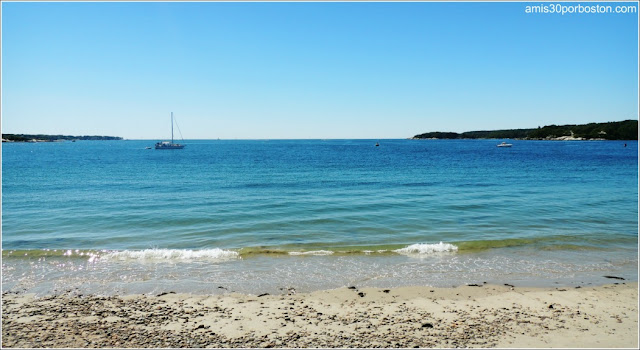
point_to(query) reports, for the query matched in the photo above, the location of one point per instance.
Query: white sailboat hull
(168, 145)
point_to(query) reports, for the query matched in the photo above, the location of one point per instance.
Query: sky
(318, 70)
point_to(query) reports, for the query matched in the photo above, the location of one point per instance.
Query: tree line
(623, 130)
(50, 138)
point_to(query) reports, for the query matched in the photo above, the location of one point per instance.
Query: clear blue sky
(310, 70)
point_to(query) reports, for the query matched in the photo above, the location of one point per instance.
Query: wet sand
(408, 317)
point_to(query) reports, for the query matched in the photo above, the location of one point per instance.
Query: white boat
(504, 144)
(167, 144)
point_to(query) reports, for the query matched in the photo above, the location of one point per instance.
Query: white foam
(313, 252)
(425, 248)
(171, 254)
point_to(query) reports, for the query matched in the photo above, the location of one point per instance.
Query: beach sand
(408, 317)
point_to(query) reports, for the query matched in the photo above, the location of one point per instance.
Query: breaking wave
(424, 248)
(172, 254)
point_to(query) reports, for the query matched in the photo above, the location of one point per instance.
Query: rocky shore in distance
(477, 315)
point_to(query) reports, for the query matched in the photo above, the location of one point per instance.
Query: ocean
(271, 216)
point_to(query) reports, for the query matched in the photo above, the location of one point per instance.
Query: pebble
(141, 323)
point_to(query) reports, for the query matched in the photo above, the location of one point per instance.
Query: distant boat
(167, 144)
(504, 144)
(377, 144)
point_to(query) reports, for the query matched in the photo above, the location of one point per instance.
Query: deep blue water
(568, 203)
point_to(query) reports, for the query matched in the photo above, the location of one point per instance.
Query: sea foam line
(217, 254)
(172, 254)
(413, 249)
(313, 252)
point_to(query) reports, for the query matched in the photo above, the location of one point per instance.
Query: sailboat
(167, 144)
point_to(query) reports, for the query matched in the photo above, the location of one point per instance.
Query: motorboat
(504, 144)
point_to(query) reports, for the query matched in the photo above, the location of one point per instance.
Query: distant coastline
(52, 138)
(623, 130)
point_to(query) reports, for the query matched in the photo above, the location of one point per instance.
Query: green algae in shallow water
(318, 249)
(559, 242)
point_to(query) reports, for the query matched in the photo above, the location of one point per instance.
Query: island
(52, 138)
(622, 130)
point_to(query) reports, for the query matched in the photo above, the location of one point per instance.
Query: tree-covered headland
(51, 138)
(623, 130)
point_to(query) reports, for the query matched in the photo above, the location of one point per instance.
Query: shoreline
(467, 316)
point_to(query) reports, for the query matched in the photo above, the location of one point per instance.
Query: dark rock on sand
(614, 277)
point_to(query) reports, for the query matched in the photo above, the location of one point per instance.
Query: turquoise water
(114, 217)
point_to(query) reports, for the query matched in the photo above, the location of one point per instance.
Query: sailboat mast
(172, 128)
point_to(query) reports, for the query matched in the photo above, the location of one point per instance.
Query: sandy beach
(478, 316)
